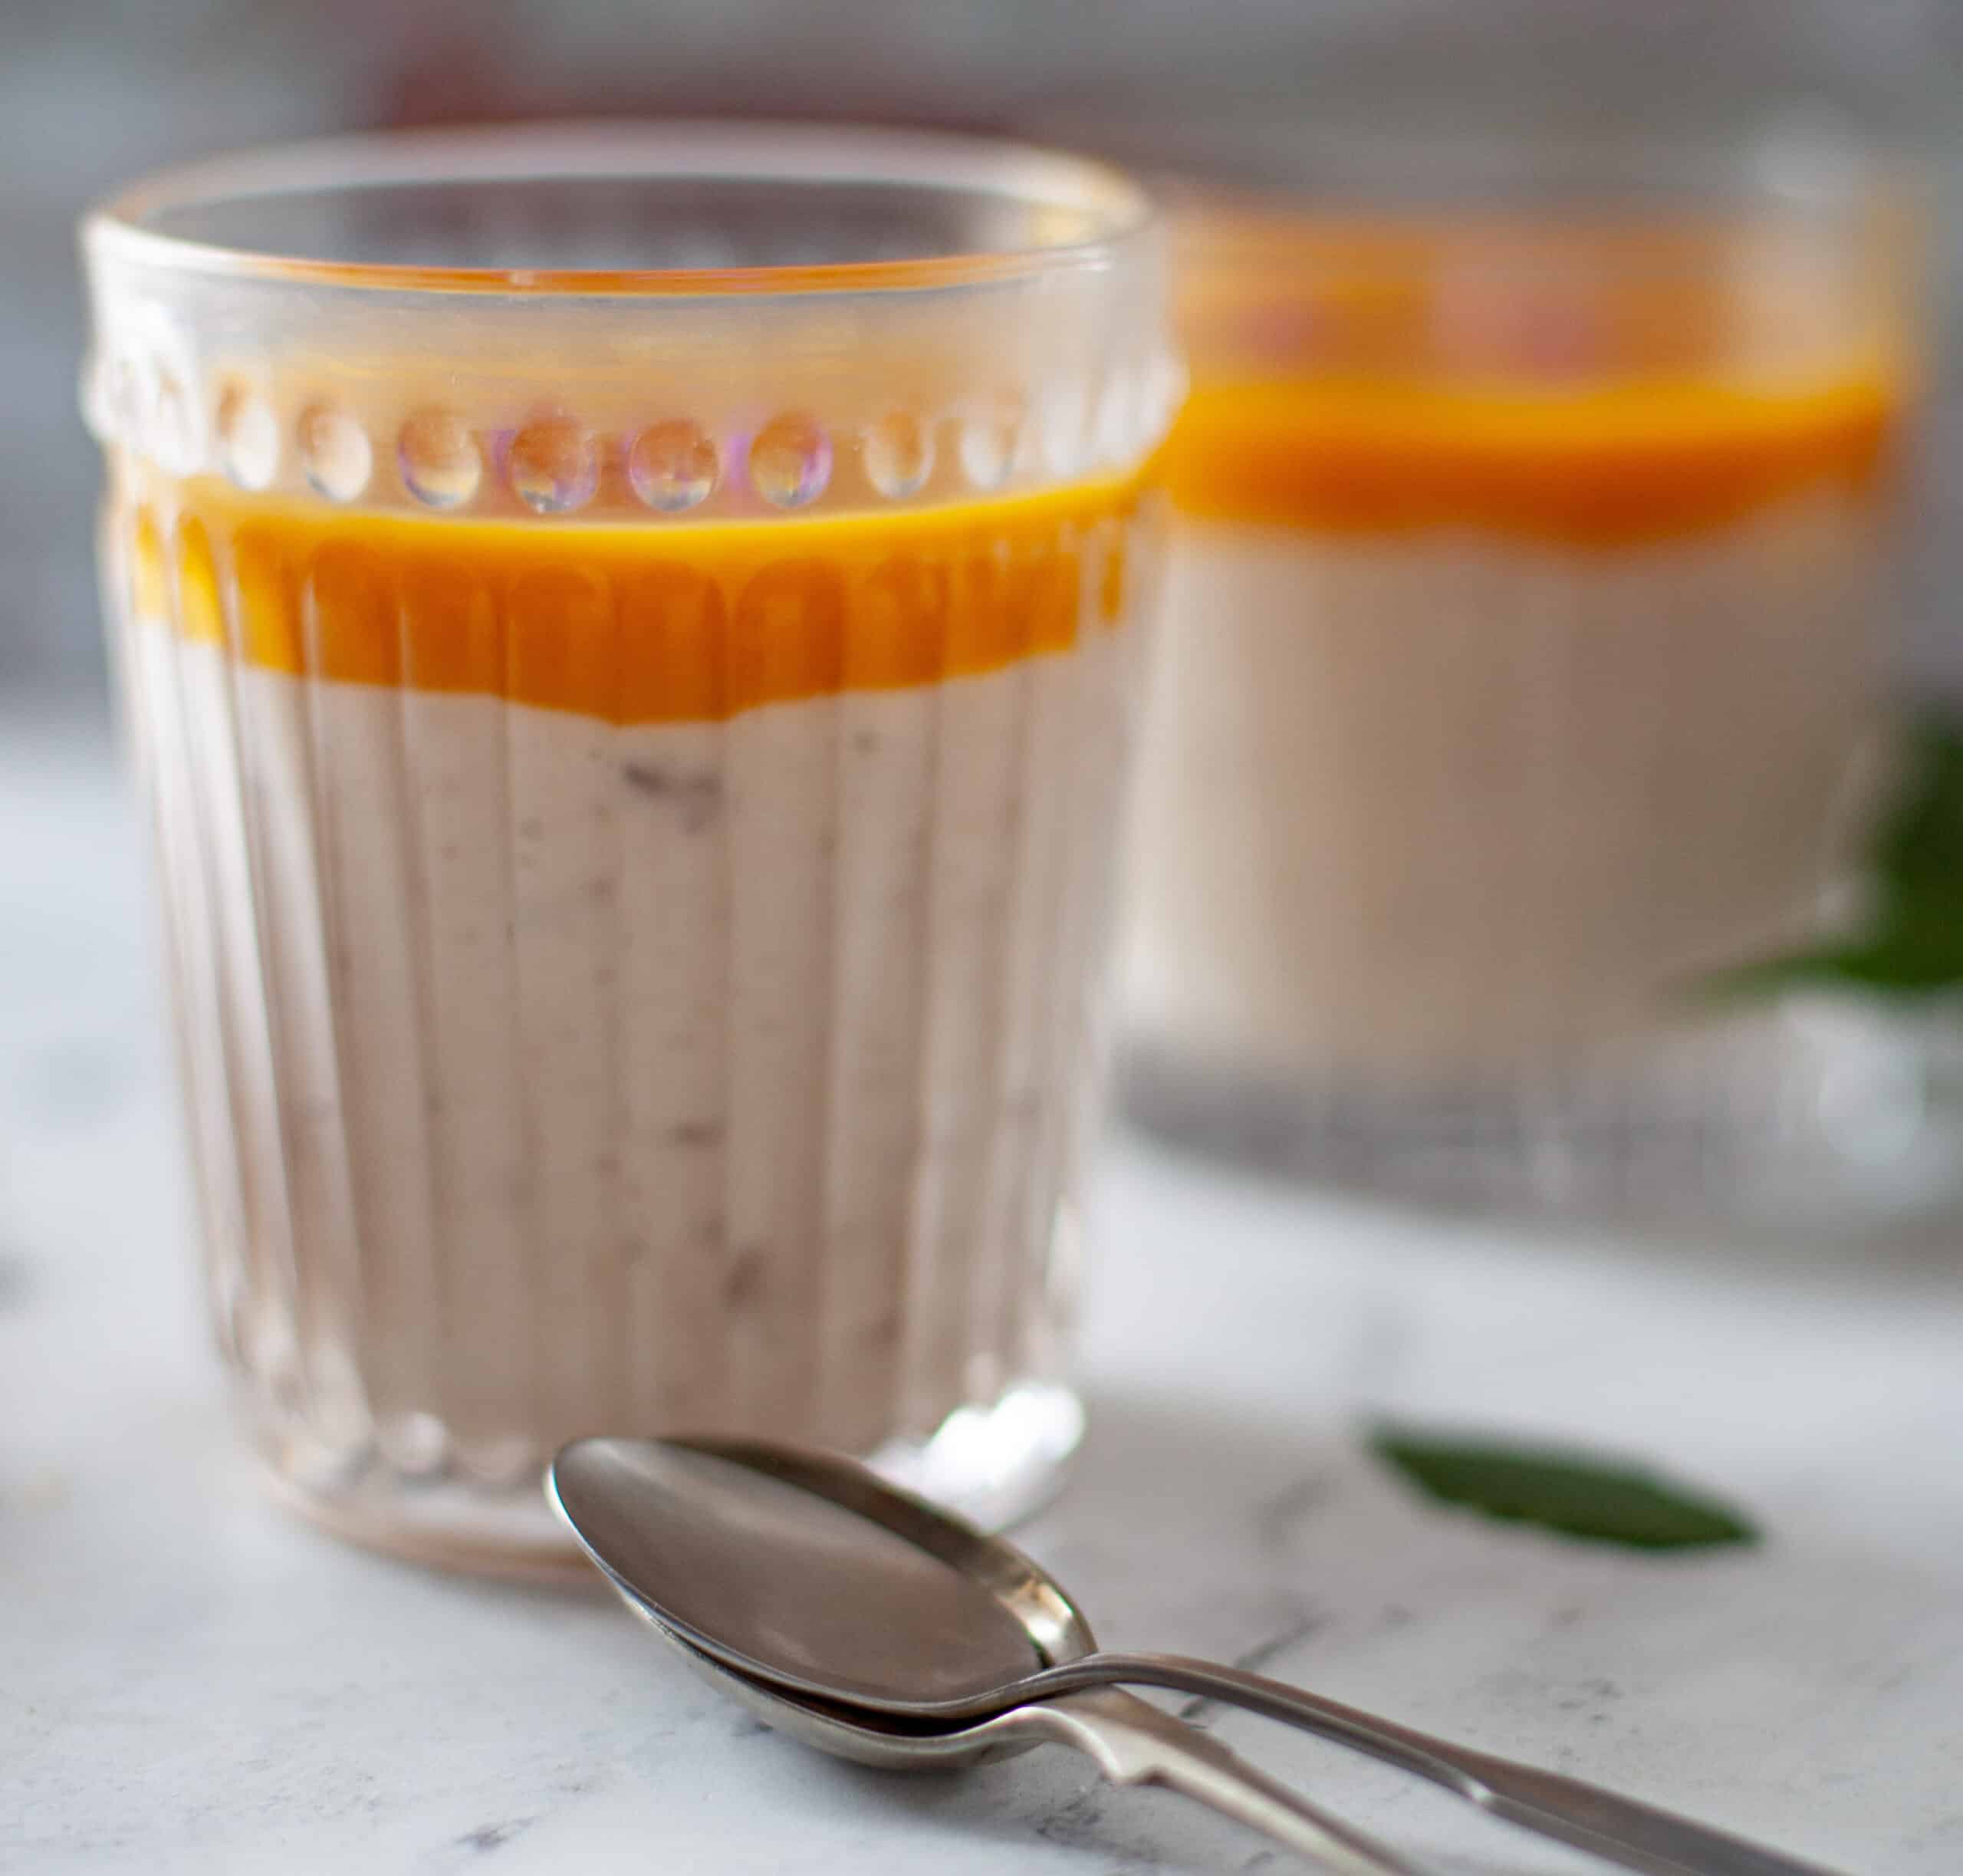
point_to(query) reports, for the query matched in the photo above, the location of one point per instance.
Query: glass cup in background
(630, 637)
(1526, 641)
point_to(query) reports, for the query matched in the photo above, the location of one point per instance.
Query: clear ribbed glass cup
(630, 638)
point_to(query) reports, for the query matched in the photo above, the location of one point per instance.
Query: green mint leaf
(1917, 846)
(1920, 955)
(1911, 944)
(1607, 1503)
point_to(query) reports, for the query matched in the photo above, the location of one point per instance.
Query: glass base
(1818, 1113)
(993, 1465)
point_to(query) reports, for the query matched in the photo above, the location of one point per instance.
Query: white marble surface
(188, 1682)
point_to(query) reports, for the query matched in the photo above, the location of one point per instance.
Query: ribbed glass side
(553, 1069)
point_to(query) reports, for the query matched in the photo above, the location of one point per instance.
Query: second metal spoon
(1132, 1743)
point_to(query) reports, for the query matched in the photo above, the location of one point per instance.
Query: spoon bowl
(762, 1556)
(866, 1739)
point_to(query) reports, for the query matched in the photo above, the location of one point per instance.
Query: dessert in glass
(1524, 647)
(631, 639)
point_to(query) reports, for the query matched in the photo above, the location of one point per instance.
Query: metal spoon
(1131, 1742)
(806, 1573)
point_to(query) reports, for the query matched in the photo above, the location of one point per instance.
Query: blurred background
(92, 94)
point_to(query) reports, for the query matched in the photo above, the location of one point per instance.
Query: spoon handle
(1621, 1830)
(1134, 1743)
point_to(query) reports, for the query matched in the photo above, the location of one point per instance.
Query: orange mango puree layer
(1607, 468)
(636, 623)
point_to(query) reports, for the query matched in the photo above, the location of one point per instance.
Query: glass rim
(1398, 160)
(1123, 212)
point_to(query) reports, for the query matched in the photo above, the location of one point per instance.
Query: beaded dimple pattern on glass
(549, 461)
